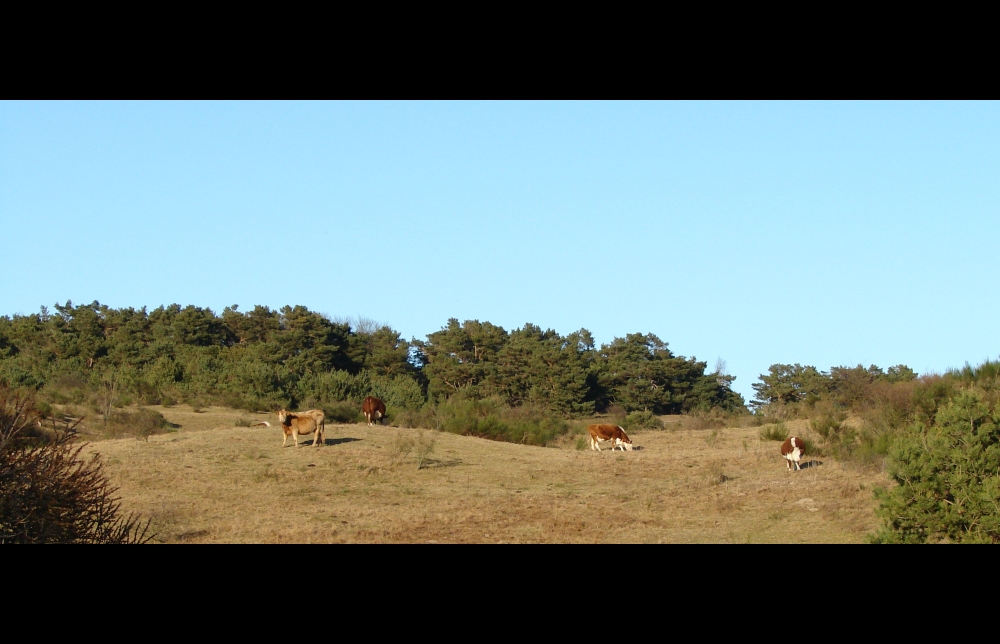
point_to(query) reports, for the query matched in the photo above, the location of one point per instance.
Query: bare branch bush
(49, 493)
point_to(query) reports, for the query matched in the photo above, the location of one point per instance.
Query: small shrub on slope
(773, 432)
(641, 420)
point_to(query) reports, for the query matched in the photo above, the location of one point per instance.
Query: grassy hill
(211, 481)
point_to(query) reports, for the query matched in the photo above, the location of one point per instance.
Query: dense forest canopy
(264, 358)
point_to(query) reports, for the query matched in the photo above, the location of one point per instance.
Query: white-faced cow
(793, 450)
(373, 409)
(294, 424)
(613, 433)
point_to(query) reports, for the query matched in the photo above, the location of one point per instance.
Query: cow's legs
(284, 440)
(316, 438)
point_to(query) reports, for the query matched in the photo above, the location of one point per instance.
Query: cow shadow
(808, 464)
(330, 441)
(433, 462)
(339, 441)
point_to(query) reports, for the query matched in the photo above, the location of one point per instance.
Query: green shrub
(641, 420)
(700, 421)
(931, 395)
(776, 432)
(828, 425)
(344, 413)
(811, 448)
(491, 418)
(141, 423)
(947, 478)
(425, 416)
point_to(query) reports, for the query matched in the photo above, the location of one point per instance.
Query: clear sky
(818, 233)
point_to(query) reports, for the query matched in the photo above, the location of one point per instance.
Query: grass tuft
(777, 432)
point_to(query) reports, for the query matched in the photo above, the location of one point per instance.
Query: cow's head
(624, 443)
(282, 416)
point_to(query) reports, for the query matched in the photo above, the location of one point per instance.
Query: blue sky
(818, 233)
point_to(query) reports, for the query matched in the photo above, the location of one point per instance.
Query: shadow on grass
(808, 464)
(327, 442)
(338, 441)
(433, 462)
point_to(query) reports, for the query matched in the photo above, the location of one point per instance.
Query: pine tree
(947, 478)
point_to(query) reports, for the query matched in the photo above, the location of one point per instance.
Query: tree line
(936, 436)
(264, 359)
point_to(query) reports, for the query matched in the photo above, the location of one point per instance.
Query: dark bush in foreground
(49, 494)
(948, 477)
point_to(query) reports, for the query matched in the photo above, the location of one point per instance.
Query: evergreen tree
(460, 357)
(639, 372)
(785, 383)
(545, 369)
(947, 478)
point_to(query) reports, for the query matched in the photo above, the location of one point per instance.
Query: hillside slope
(236, 484)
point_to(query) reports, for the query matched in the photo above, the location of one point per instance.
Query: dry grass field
(210, 481)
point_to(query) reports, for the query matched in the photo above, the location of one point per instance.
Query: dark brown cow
(293, 424)
(373, 409)
(793, 450)
(613, 433)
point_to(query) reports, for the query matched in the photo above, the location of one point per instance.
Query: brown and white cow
(373, 409)
(293, 424)
(613, 433)
(793, 450)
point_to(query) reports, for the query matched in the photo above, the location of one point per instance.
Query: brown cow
(293, 424)
(318, 415)
(612, 433)
(373, 409)
(793, 450)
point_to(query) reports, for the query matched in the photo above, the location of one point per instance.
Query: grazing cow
(293, 424)
(373, 409)
(793, 450)
(613, 433)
